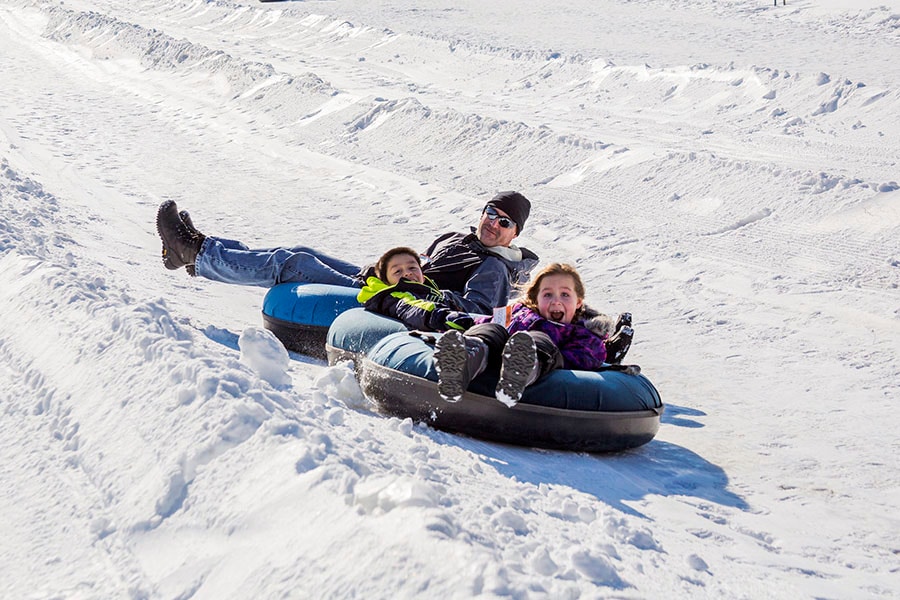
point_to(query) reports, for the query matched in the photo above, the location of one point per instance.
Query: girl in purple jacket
(547, 330)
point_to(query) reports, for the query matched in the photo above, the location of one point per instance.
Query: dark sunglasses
(504, 222)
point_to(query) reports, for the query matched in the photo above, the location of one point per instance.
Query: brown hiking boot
(180, 244)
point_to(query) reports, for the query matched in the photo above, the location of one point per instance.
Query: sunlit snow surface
(727, 171)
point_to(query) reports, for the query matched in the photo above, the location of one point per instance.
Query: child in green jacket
(400, 290)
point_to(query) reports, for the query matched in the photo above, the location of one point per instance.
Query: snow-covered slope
(728, 171)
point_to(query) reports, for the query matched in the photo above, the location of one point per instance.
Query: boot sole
(170, 260)
(450, 363)
(519, 356)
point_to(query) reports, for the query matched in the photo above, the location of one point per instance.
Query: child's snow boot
(458, 359)
(519, 370)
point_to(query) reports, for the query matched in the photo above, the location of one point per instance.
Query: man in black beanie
(476, 271)
(513, 205)
(484, 264)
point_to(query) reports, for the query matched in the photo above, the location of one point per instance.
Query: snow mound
(266, 355)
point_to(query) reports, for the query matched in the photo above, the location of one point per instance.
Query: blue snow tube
(299, 314)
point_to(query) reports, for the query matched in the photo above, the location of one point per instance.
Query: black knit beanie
(515, 205)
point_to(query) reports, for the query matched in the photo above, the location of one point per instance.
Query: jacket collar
(512, 253)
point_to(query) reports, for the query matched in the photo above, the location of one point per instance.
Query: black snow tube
(582, 411)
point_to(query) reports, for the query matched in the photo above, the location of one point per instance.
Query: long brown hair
(530, 293)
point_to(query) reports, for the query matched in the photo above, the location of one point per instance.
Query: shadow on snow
(657, 468)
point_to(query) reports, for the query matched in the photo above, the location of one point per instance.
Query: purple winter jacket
(580, 348)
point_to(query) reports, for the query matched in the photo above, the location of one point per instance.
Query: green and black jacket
(418, 305)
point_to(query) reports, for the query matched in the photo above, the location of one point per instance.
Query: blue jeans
(230, 261)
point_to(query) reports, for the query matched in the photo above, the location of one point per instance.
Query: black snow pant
(495, 337)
